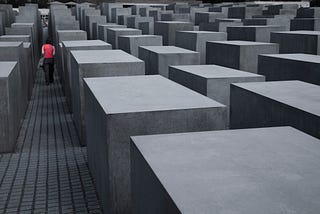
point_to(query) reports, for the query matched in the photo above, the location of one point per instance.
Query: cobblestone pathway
(48, 173)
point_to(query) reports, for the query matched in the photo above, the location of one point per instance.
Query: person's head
(49, 41)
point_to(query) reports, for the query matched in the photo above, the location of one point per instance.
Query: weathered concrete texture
(102, 30)
(77, 45)
(263, 170)
(168, 29)
(114, 33)
(279, 103)
(158, 58)
(304, 67)
(196, 41)
(13, 51)
(220, 25)
(297, 41)
(244, 12)
(207, 17)
(137, 105)
(211, 80)
(242, 55)
(123, 19)
(131, 43)
(10, 96)
(97, 63)
(15, 38)
(305, 24)
(145, 24)
(106, 9)
(257, 33)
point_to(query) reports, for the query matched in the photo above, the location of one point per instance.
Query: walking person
(48, 51)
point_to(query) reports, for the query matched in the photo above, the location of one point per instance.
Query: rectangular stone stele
(77, 45)
(131, 43)
(158, 58)
(242, 55)
(212, 81)
(10, 94)
(168, 29)
(15, 38)
(120, 107)
(297, 41)
(279, 103)
(67, 35)
(97, 63)
(102, 30)
(257, 33)
(114, 33)
(196, 41)
(232, 171)
(304, 67)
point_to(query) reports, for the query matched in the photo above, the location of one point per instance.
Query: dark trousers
(48, 66)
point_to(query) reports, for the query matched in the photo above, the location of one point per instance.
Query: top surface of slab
(256, 26)
(300, 32)
(214, 71)
(141, 36)
(6, 68)
(79, 43)
(266, 171)
(242, 43)
(123, 29)
(145, 93)
(202, 32)
(70, 31)
(173, 22)
(103, 56)
(167, 49)
(10, 44)
(298, 94)
(297, 57)
(15, 36)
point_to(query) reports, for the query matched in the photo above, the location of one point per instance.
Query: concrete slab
(211, 80)
(224, 171)
(207, 17)
(114, 33)
(10, 96)
(102, 30)
(220, 25)
(97, 63)
(279, 103)
(196, 41)
(297, 41)
(256, 33)
(304, 67)
(116, 12)
(168, 29)
(305, 24)
(68, 46)
(131, 43)
(94, 19)
(242, 55)
(244, 12)
(158, 58)
(137, 105)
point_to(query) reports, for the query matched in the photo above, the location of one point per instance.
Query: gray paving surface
(49, 172)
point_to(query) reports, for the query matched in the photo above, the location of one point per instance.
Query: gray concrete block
(242, 55)
(220, 25)
(68, 46)
(131, 43)
(108, 8)
(168, 29)
(211, 80)
(15, 38)
(304, 67)
(280, 20)
(244, 12)
(123, 19)
(312, 12)
(233, 171)
(116, 12)
(13, 51)
(305, 24)
(10, 96)
(297, 41)
(196, 41)
(133, 22)
(97, 63)
(69, 35)
(279, 103)
(257, 33)
(114, 33)
(147, 28)
(102, 30)
(94, 19)
(120, 107)
(207, 17)
(158, 58)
